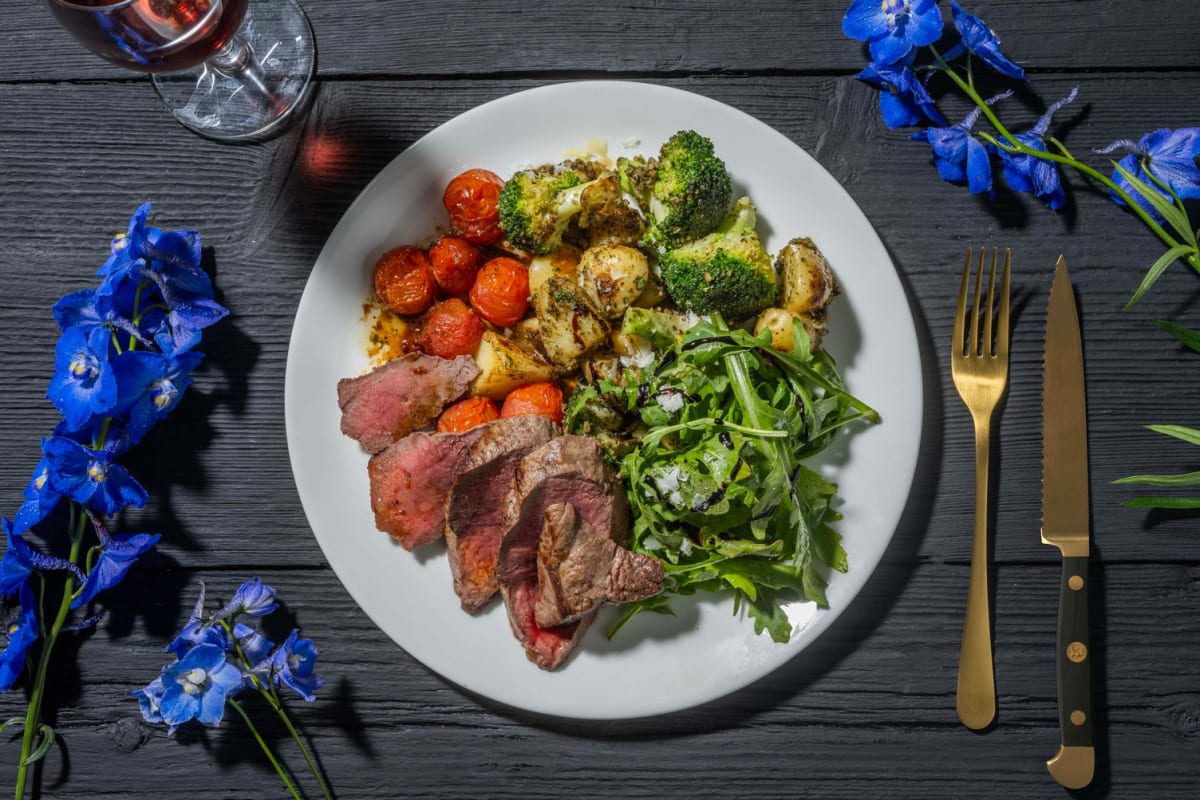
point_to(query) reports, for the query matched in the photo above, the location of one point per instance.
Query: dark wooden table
(866, 712)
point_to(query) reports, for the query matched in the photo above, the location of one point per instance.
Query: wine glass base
(250, 88)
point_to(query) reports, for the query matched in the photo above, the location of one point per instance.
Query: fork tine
(960, 310)
(1002, 321)
(973, 346)
(988, 347)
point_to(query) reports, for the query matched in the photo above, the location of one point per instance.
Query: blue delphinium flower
(253, 597)
(149, 700)
(83, 385)
(20, 560)
(903, 100)
(17, 564)
(179, 249)
(197, 631)
(117, 555)
(151, 282)
(254, 646)
(982, 41)
(142, 241)
(197, 685)
(893, 28)
(129, 246)
(147, 258)
(89, 309)
(292, 664)
(17, 635)
(88, 477)
(41, 497)
(149, 386)
(1026, 173)
(208, 674)
(959, 156)
(191, 309)
(1170, 156)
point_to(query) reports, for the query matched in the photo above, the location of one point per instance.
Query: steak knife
(1065, 525)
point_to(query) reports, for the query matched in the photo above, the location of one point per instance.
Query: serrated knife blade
(1065, 525)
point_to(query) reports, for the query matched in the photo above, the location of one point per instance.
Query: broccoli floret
(727, 271)
(685, 192)
(537, 205)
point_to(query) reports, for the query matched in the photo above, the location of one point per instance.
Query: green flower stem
(261, 743)
(273, 699)
(1013, 145)
(34, 712)
(136, 316)
(277, 703)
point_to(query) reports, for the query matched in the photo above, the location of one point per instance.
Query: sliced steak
(400, 396)
(565, 470)
(475, 505)
(581, 568)
(410, 480)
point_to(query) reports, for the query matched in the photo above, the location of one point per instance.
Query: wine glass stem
(236, 60)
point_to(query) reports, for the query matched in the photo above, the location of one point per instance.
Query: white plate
(656, 664)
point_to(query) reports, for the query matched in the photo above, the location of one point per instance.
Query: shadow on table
(317, 170)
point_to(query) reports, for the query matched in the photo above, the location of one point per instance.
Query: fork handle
(976, 677)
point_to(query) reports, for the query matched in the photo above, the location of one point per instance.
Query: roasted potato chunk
(806, 283)
(612, 277)
(504, 365)
(567, 324)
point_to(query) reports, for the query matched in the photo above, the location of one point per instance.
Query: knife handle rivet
(1077, 651)
(1078, 717)
(1075, 582)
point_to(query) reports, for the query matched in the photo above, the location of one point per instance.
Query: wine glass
(231, 70)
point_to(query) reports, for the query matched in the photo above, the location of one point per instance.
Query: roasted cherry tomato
(473, 201)
(454, 262)
(535, 398)
(501, 291)
(450, 329)
(404, 280)
(466, 414)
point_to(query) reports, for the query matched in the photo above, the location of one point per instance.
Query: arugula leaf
(715, 473)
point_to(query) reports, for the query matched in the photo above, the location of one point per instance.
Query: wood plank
(481, 39)
(266, 222)
(866, 705)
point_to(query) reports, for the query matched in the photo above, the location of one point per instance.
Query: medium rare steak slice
(410, 480)
(581, 568)
(475, 506)
(565, 470)
(400, 396)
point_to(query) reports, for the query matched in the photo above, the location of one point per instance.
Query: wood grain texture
(266, 225)
(869, 706)
(868, 709)
(426, 38)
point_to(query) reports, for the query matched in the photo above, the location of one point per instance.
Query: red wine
(151, 35)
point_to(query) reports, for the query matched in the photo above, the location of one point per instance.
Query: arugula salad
(710, 438)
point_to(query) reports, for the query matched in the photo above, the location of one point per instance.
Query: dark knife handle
(1074, 655)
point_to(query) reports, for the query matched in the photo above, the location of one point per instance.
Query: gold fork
(980, 369)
